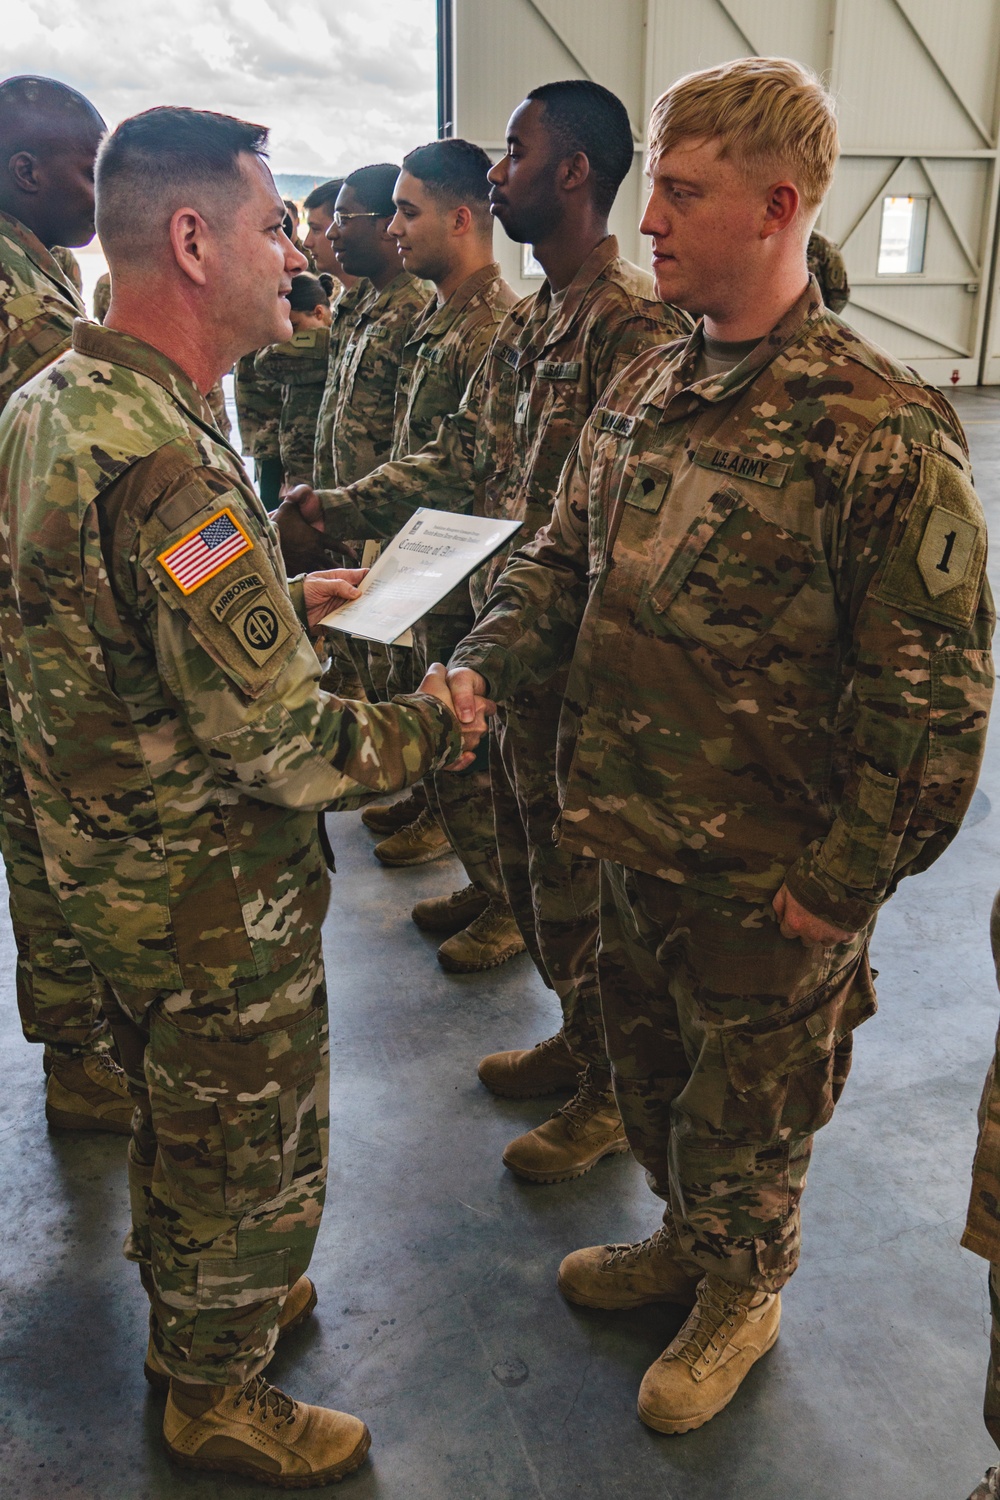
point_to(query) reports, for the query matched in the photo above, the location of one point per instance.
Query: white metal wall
(917, 88)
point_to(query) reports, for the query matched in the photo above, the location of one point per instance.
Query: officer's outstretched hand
(327, 590)
(476, 709)
(796, 922)
(306, 500)
(302, 544)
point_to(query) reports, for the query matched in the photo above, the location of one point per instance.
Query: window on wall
(903, 236)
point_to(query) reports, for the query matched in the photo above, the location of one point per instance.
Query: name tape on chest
(619, 423)
(742, 465)
(205, 551)
(506, 353)
(551, 369)
(431, 354)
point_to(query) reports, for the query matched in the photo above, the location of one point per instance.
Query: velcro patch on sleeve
(260, 629)
(205, 551)
(936, 567)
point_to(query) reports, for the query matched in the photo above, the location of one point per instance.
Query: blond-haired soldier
(766, 566)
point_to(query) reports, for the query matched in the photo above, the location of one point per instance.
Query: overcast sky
(339, 82)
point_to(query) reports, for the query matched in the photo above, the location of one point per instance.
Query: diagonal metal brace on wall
(554, 31)
(970, 114)
(960, 239)
(923, 333)
(748, 44)
(873, 199)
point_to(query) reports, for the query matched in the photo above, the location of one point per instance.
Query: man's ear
(188, 241)
(573, 171)
(23, 168)
(461, 221)
(781, 208)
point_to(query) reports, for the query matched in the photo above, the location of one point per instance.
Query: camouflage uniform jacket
(772, 589)
(982, 1227)
(37, 306)
(344, 313)
(359, 400)
(445, 347)
(299, 368)
(174, 740)
(826, 263)
(69, 265)
(524, 408)
(258, 410)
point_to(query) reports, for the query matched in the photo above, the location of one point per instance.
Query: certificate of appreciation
(434, 551)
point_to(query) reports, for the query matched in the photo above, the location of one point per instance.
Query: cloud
(338, 82)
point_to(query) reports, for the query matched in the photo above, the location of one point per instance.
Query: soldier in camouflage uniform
(216, 397)
(176, 748)
(767, 570)
(299, 367)
(258, 412)
(982, 1227)
(826, 263)
(569, 146)
(69, 266)
(356, 414)
(445, 235)
(48, 138)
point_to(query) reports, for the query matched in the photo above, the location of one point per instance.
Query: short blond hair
(770, 114)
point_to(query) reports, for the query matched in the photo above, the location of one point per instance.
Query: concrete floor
(439, 1321)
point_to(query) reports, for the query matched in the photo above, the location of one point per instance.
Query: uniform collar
(435, 321)
(380, 301)
(678, 376)
(41, 259)
(544, 329)
(97, 342)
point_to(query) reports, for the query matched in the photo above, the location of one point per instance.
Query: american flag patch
(201, 554)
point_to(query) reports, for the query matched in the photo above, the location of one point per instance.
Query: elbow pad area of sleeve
(273, 759)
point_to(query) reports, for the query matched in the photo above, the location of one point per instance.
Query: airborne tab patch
(742, 465)
(205, 551)
(250, 583)
(617, 422)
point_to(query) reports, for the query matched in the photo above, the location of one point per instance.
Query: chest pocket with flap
(731, 578)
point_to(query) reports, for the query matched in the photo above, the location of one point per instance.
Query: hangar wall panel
(918, 99)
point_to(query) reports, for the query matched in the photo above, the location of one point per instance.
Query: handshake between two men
(462, 692)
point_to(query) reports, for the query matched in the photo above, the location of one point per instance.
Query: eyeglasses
(341, 219)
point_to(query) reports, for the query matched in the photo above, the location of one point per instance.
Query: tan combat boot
(295, 1309)
(390, 817)
(88, 1092)
(586, 1128)
(620, 1276)
(450, 913)
(547, 1068)
(701, 1370)
(989, 1486)
(418, 843)
(486, 943)
(258, 1431)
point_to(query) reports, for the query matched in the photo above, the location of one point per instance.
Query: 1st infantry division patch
(205, 551)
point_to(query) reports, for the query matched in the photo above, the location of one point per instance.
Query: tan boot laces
(585, 1103)
(638, 1249)
(491, 920)
(712, 1316)
(272, 1402)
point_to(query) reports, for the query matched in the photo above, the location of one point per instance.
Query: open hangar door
(914, 203)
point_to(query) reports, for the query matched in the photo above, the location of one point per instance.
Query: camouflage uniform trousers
(554, 895)
(730, 1046)
(59, 997)
(227, 1162)
(461, 801)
